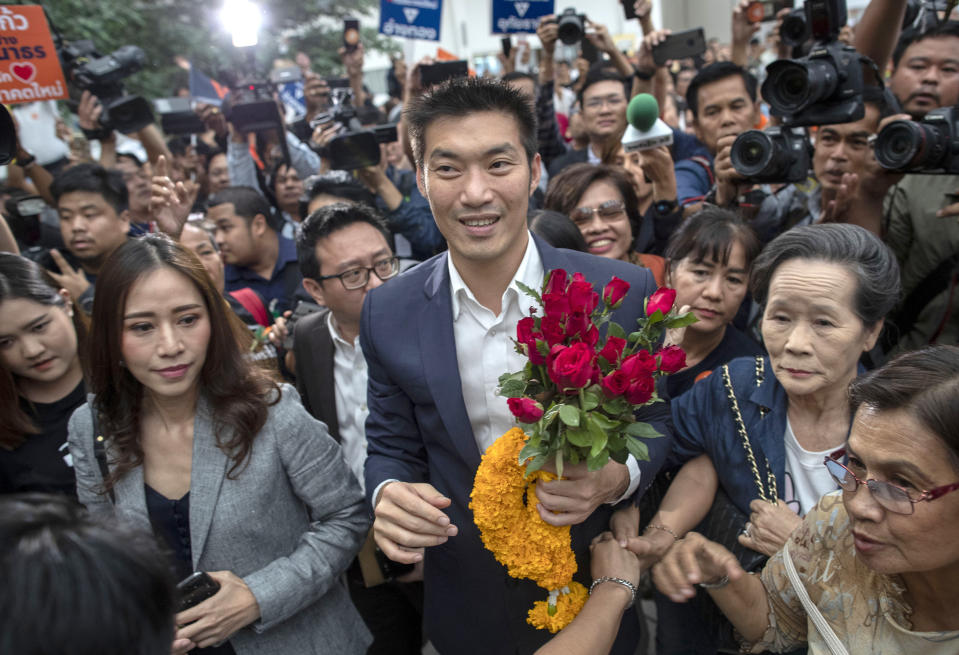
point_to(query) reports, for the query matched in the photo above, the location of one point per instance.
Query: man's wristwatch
(644, 75)
(665, 207)
(26, 160)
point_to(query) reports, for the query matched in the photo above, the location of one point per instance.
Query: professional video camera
(23, 216)
(826, 86)
(356, 147)
(88, 70)
(929, 146)
(773, 155)
(251, 106)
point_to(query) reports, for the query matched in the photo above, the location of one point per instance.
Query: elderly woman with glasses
(602, 202)
(875, 566)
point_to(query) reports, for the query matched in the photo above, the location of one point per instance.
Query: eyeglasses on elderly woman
(890, 496)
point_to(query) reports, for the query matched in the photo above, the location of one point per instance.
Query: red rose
(591, 336)
(662, 299)
(614, 292)
(639, 365)
(582, 298)
(556, 282)
(615, 384)
(577, 324)
(570, 367)
(640, 391)
(526, 330)
(671, 359)
(613, 349)
(556, 305)
(552, 330)
(526, 410)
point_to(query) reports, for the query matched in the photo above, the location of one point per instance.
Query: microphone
(645, 130)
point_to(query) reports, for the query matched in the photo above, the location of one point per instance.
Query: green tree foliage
(167, 29)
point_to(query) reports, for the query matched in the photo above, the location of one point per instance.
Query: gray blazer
(289, 524)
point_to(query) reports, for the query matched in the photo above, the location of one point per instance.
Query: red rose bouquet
(574, 400)
(577, 394)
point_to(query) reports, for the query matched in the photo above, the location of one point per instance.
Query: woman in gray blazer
(228, 469)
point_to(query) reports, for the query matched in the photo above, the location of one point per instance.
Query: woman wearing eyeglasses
(602, 203)
(879, 559)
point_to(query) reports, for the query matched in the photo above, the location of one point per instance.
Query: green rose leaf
(616, 406)
(529, 450)
(642, 430)
(615, 330)
(579, 437)
(532, 293)
(590, 400)
(513, 389)
(681, 321)
(536, 464)
(637, 449)
(598, 461)
(569, 415)
(607, 424)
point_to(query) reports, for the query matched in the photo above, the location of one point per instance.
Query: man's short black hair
(178, 145)
(338, 184)
(519, 75)
(92, 178)
(912, 35)
(597, 75)
(713, 73)
(465, 96)
(247, 202)
(210, 154)
(75, 585)
(326, 220)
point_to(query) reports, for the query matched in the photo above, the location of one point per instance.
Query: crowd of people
(224, 359)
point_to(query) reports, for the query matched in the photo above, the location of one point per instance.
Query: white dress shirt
(349, 390)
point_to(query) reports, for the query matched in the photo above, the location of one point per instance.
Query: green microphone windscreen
(642, 112)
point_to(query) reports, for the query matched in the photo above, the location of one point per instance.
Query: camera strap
(100, 450)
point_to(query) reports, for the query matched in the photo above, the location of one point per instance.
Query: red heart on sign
(23, 72)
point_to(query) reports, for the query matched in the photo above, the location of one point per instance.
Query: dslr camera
(773, 155)
(572, 26)
(356, 146)
(824, 87)
(88, 70)
(929, 146)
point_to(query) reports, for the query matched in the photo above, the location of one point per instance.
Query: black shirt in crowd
(734, 344)
(42, 462)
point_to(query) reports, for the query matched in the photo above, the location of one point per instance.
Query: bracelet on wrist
(26, 160)
(657, 526)
(716, 584)
(626, 583)
(644, 75)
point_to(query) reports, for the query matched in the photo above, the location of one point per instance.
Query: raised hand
(170, 203)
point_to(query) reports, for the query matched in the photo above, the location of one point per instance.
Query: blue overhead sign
(411, 19)
(512, 17)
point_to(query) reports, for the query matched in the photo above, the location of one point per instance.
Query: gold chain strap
(773, 494)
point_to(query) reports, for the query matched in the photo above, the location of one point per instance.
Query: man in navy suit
(437, 338)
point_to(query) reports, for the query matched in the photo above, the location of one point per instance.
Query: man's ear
(315, 289)
(535, 172)
(124, 217)
(258, 225)
(420, 180)
(757, 113)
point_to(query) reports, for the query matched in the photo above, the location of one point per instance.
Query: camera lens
(793, 31)
(905, 145)
(571, 27)
(791, 86)
(752, 153)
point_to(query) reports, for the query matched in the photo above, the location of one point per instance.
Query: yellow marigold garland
(519, 539)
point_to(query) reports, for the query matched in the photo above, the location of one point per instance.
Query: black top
(171, 524)
(42, 463)
(734, 344)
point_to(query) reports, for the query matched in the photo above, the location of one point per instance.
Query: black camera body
(772, 156)
(251, 107)
(794, 30)
(102, 75)
(356, 147)
(929, 146)
(572, 26)
(826, 86)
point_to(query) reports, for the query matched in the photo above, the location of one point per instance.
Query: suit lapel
(438, 352)
(324, 357)
(130, 494)
(209, 468)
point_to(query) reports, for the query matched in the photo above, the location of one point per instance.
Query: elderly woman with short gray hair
(751, 437)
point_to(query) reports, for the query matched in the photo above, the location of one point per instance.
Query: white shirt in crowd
(349, 376)
(37, 129)
(484, 350)
(810, 479)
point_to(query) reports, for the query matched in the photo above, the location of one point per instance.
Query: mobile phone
(286, 75)
(588, 51)
(351, 34)
(303, 308)
(507, 44)
(764, 11)
(629, 9)
(680, 46)
(442, 71)
(195, 589)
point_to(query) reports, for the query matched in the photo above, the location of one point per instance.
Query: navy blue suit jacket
(418, 431)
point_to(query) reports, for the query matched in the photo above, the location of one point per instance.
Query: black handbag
(725, 522)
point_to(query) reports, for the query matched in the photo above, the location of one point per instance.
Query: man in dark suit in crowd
(343, 251)
(437, 338)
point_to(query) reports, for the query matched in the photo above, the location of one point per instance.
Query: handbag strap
(833, 642)
(100, 450)
(773, 494)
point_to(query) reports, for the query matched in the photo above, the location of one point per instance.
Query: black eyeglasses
(608, 211)
(357, 278)
(895, 499)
